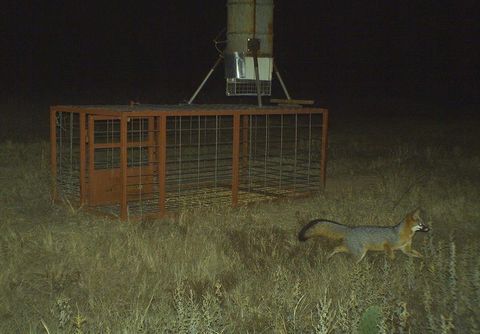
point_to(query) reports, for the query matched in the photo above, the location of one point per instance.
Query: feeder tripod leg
(257, 79)
(275, 68)
(205, 80)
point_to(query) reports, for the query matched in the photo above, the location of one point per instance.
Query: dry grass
(223, 270)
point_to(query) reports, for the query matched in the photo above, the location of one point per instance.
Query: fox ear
(416, 213)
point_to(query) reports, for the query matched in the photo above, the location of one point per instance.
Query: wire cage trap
(137, 161)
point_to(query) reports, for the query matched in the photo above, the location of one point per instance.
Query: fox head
(417, 224)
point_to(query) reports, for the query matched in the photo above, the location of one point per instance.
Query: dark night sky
(158, 51)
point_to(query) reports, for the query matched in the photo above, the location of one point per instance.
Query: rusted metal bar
(245, 141)
(187, 111)
(162, 161)
(295, 151)
(135, 144)
(104, 117)
(114, 145)
(151, 142)
(53, 151)
(281, 152)
(83, 163)
(123, 167)
(235, 158)
(292, 101)
(91, 154)
(97, 110)
(323, 162)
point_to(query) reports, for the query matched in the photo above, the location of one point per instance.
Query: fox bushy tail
(323, 228)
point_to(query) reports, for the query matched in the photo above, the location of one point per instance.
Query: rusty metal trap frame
(135, 161)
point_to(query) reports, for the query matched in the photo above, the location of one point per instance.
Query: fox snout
(423, 228)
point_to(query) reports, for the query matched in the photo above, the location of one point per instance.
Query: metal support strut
(275, 68)
(205, 80)
(253, 45)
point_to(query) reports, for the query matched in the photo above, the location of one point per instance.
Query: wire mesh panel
(142, 165)
(67, 154)
(136, 162)
(199, 160)
(246, 87)
(281, 155)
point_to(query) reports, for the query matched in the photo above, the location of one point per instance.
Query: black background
(83, 52)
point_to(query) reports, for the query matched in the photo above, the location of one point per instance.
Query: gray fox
(360, 239)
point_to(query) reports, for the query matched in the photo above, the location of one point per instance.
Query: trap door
(104, 173)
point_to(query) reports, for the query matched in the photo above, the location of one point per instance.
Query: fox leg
(407, 249)
(338, 249)
(359, 256)
(389, 251)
